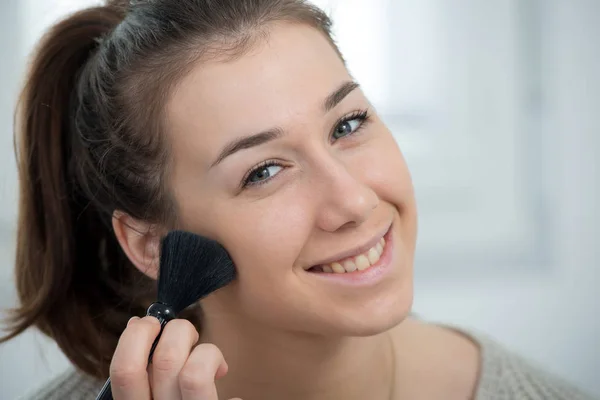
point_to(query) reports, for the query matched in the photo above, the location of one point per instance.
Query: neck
(270, 364)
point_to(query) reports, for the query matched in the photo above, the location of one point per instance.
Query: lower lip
(369, 276)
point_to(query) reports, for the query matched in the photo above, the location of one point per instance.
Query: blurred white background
(496, 105)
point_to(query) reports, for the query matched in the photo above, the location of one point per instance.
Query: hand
(178, 369)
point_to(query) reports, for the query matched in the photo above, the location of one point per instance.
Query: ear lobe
(140, 241)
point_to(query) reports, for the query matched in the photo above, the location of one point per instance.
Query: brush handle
(164, 314)
(106, 392)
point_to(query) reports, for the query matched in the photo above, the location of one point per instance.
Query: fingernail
(132, 319)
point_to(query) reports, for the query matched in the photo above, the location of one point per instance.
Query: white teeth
(337, 268)
(360, 262)
(373, 256)
(349, 266)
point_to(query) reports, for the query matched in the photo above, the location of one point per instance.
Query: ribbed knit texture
(503, 376)
(70, 385)
(507, 376)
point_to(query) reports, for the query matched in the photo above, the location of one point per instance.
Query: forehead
(287, 74)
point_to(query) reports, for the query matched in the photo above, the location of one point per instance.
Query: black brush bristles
(191, 267)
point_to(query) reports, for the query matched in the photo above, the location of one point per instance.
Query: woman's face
(281, 158)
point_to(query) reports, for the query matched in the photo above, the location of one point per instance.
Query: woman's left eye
(349, 125)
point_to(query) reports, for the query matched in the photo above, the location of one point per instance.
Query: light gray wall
(9, 83)
(553, 317)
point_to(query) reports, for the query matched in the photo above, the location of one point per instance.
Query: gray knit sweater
(503, 376)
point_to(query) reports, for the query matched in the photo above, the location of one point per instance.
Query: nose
(345, 198)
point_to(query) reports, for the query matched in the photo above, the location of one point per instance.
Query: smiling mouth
(359, 262)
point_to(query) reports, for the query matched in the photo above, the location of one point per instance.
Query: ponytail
(71, 274)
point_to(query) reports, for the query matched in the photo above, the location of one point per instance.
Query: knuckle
(194, 379)
(199, 375)
(125, 375)
(165, 360)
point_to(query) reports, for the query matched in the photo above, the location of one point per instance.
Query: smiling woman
(238, 121)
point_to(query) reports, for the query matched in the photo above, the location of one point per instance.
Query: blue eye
(262, 173)
(349, 125)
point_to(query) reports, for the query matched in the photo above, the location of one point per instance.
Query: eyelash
(361, 115)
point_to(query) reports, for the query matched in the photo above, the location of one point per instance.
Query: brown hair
(90, 141)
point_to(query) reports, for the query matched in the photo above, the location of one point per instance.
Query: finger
(171, 354)
(203, 366)
(128, 369)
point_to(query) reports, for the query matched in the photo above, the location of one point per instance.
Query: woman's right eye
(262, 174)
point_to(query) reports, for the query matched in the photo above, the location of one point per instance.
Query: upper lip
(355, 250)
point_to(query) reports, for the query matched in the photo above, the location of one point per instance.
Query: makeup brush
(191, 267)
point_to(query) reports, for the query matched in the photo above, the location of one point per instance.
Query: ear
(140, 241)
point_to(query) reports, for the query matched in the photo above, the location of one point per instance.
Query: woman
(236, 120)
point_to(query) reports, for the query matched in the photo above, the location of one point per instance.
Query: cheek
(266, 237)
(265, 244)
(383, 168)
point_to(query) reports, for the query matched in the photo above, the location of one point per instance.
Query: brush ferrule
(162, 312)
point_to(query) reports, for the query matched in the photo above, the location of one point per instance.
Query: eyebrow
(338, 95)
(269, 135)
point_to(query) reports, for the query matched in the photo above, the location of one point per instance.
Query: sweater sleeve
(505, 376)
(69, 385)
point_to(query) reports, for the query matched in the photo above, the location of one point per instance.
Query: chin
(378, 317)
(376, 323)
